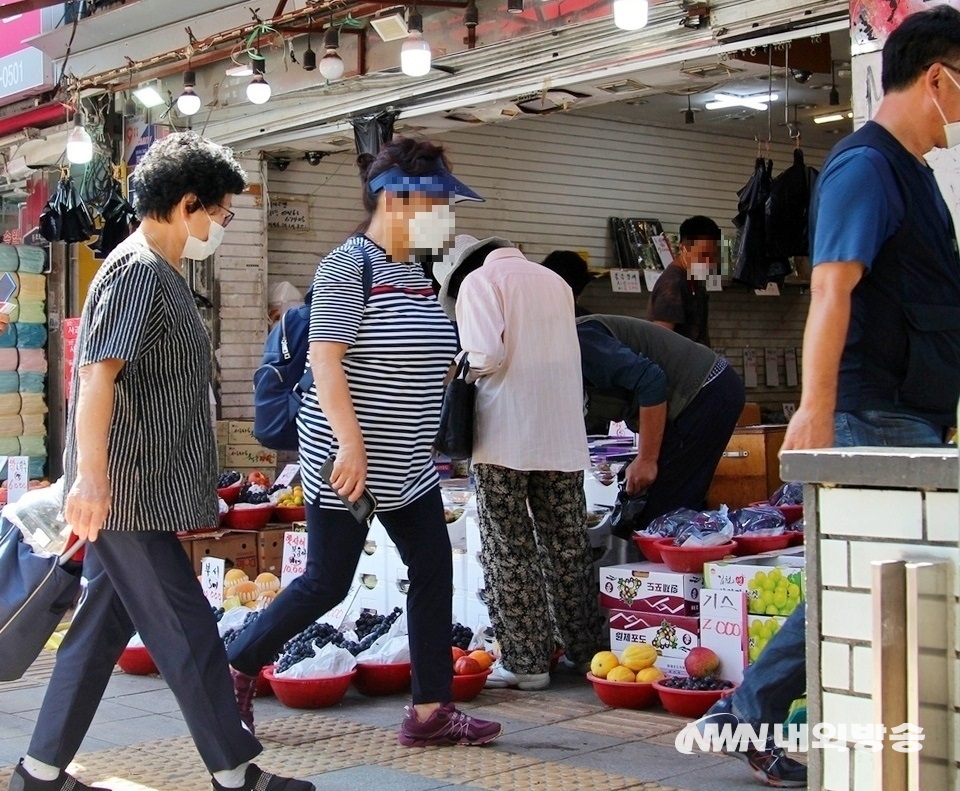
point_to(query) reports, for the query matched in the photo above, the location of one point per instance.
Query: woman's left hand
(349, 477)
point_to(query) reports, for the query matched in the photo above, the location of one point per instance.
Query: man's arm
(831, 286)
(642, 471)
(88, 501)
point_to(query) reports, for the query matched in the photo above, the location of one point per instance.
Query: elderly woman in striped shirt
(379, 359)
(140, 417)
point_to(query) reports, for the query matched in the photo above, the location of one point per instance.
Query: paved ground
(561, 739)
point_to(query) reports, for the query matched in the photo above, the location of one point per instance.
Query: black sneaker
(22, 780)
(258, 780)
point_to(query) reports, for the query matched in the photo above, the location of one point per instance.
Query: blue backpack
(283, 377)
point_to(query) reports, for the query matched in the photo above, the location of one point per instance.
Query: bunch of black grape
(233, 634)
(305, 645)
(698, 684)
(253, 493)
(218, 613)
(228, 478)
(369, 628)
(461, 636)
(277, 487)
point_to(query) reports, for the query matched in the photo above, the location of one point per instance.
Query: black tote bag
(455, 435)
(35, 592)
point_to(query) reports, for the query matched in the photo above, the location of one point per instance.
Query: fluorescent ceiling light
(832, 118)
(148, 94)
(724, 101)
(244, 70)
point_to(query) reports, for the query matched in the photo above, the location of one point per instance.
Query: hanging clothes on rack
(788, 210)
(750, 258)
(119, 218)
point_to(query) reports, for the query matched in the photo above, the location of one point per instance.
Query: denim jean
(779, 675)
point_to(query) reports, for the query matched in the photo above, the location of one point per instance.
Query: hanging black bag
(118, 219)
(627, 511)
(455, 435)
(35, 592)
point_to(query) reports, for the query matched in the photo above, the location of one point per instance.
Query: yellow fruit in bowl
(603, 662)
(649, 674)
(622, 674)
(638, 657)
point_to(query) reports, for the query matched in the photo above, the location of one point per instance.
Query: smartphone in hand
(363, 509)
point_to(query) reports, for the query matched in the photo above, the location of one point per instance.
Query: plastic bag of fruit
(758, 520)
(390, 648)
(331, 660)
(706, 529)
(669, 524)
(788, 494)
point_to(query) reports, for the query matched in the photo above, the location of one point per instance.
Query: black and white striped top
(401, 346)
(162, 454)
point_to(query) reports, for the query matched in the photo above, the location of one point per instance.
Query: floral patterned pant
(537, 565)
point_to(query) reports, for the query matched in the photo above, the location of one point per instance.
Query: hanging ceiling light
(79, 143)
(148, 94)
(258, 91)
(724, 101)
(415, 53)
(331, 64)
(834, 93)
(188, 102)
(688, 115)
(129, 106)
(631, 14)
(309, 57)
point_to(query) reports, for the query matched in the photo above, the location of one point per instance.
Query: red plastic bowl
(796, 538)
(230, 494)
(248, 518)
(264, 689)
(623, 694)
(689, 703)
(309, 693)
(648, 546)
(467, 687)
(136, 661)
(292, 513)
(753, 545)
(690, 560)
(382, 679)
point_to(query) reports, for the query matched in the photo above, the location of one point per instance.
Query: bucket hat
(446, 273)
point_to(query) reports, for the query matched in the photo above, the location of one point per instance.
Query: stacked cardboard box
(650, 604)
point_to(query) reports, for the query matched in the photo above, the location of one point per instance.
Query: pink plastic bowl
(467, 687)
(690, 560)
(382, 679)
(689, 703)
(624, 694)
(754, 545)
(309, 693)
(136, 661)
(648, 546)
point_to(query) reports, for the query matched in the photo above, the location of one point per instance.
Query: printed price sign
(626, 280)
(663, 250)
(18, 477)
(212, 571)
(286, 477)
(294, 559)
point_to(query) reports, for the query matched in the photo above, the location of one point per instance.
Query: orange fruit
(603, 662)
(482, 657)
(457, 653)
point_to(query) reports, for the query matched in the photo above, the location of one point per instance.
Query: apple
(258, 478)
(701, 663)
(457, 653)
(466, 666)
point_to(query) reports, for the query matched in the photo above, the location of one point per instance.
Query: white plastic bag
(328, 661)
(39, 516)
(232, 619)
(391, 648)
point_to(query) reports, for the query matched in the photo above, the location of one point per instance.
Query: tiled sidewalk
(561, 739)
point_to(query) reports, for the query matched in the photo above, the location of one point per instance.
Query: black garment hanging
(118, 221)
(750, 245)
(65, 217)
(787, 227)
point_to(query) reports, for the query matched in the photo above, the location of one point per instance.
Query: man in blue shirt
(881, 348)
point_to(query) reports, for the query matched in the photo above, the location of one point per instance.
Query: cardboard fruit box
(673, 636)
(774, 583)
(650, 587)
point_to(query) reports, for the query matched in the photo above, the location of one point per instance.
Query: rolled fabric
(31, 404)
(10, 403)
(32, 259)
(32, 445)
(9, 383)
(10, 360)
(10, 446)
(29, 360)
(32, 424)
(11, 426)
(9, 338)
(32, 286)
(32, 382)
(30, 335)
(9, 258)
(32, 311)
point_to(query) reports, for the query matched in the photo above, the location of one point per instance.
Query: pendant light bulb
(309, 58)
(331, 66)
(258, 91)
(129, 107)
(188, 103)
(415, 54)
(631, 14)
(79, 143)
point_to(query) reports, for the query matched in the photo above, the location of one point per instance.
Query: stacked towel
(32, 424)
(33, 445)
(9, 258)
(30, 404)
(30, 335)
(32, 382)
(10, 446)
(32, 311)
(9, 339)
(32, 259)
(10, 404)
(32, 286)
(11, 426)
(9, 383)
(34, 360)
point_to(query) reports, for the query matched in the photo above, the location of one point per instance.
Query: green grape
(756, 627)
(760, 577)
(792, 604)
(772, 610)
(769, 584)
(780, 599)
(775, 574)
(751, 584)
(793, 591)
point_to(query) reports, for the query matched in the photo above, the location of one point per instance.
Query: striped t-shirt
(400, 348)
(162, 452)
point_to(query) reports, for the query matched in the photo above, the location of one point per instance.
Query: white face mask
(197, 249)
(699, 270)
(950, 130)
(431, 232)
